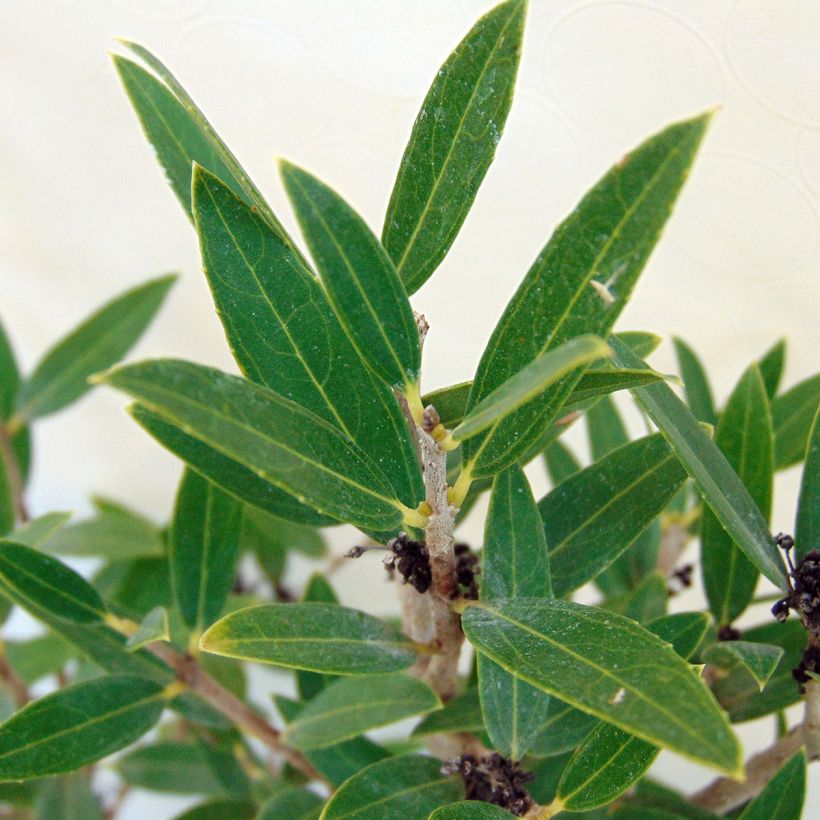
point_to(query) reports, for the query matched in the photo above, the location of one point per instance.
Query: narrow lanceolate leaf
(363, 287)
(744, 436)
(9, 376)
(514, 563)
(771, 367)
(68, 797)
(695, 383)
(153, 627)
(317, 590)
(115, 533)
(318, 637)
(294, 803)
(593, 516)
(461, 714)
(401, 786)
(352, 706)
(626, 680)
(233, 477)
(280, 441)
(285, 335)
(606, 764)
(807, 529)
(204, 547)
(27, 575)
(783, 795)
(103, 339)
(793, 413)
(714, 477)
(684, 630)
(39, 530)
(579, 284)
(604, 381)
(181, 135)
(759, 659)
(560, 461)
(470, 810)
(606, 430)
(529, 382)
(79, 725)
(453, 143)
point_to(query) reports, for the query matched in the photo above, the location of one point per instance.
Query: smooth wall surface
(335, 85)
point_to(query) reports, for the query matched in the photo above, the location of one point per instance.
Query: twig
(14, 475)
(189, 672)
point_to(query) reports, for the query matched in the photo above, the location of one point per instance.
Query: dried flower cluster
(494, 779)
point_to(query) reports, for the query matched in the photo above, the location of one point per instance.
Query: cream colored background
(335, 86)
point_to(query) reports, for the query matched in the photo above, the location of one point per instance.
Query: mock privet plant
(562, 707)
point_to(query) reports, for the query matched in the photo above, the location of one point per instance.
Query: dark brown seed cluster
(728, 633)
(804, 587)
(466, 571)
(680, 579)
(411, 560)
(494, 779)
(809, 663)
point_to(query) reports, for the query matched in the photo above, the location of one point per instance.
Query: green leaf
(807, 528)
(99, 342)
(606, 380)
(759, 659)
(280, 441)
(641, 342)
(639, 560)
(9, 376)
(529, 382)
(605, 428)
(606, 764)
(695, 383)
(235, 479)
(317, 590)
(340, 762)
(470, 810)
(38, 657)
(625, 679)
(352, 706)
(561, 462)
(220, 809)
(744, 436)
(7, 512)
(78, 725)
(152, 628)
(116, 533)
(646, 602)
(606, 241)
(714, 477)
(792, 414)
(360, 281)
(318, 637)
(293, 804)
(284, 334)
(684, 630)
(39, 530)
(449, 402)
(453, 143)
(402, 786)
(461, 714)
(181, 135)
(563, 730)
(514, 563)
(68, 798)
(181, 768)
(203, 550)
(593, 516)
(771, 367)
(783, 795)
(738, 692)
(39, 580)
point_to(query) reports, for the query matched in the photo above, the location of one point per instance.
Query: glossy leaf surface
(744, 435)
(284, 334)
(453, 143)
(318, 637)
(593, 516)
(402, 786)
(771, 367)
(29, 575)
(714, 477)
(352, 706)
(280, 441)
(99, 342)
(233, 477)
(361, 283)
(514, 563)
(608, 666)
(204, 545)
(783, 795)
(792, 414)
(78, 725)
(759, 659)
(606, 240)
(695, 382)
(529, 382)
